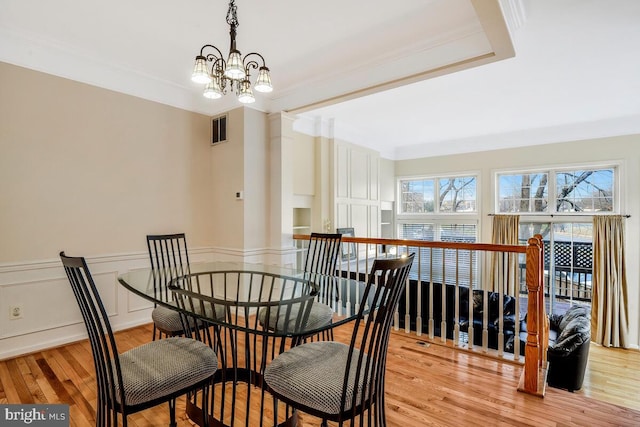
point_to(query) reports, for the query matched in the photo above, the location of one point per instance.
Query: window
(526, 192)
(438, 195)
(585, 191)
(438, 209)
(572, 191)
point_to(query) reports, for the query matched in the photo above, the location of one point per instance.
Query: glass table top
(244, 295)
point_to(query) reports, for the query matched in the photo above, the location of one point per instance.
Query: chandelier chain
(232, 17)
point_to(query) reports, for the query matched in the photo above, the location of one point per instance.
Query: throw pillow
(573, 312)
(554, 321)
(575, 333)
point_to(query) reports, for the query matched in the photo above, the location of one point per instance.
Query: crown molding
(515, 14)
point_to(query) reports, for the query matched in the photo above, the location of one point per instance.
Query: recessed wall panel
(359, 175)
(50, 304)
(342, 171)
(360, 218)
(342, 215)
(374, 178)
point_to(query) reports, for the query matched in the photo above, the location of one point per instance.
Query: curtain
(609, 317)
(504, 266)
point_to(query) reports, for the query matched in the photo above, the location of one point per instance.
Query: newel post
(533, 378)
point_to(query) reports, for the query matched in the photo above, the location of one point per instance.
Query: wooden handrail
(533, 380)
(489, 247)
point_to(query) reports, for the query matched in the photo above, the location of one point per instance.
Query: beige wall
(93, 171)
(228, 178)
(624, 150)
(256, 180)
(304, 164)
(241, 164)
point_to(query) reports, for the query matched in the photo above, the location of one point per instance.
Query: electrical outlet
(15, 312)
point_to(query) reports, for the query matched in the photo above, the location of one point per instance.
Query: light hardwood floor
(427, 385)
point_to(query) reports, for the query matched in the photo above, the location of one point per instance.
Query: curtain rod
(552, 215)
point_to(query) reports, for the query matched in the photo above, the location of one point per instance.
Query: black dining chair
(168, 254)
(145, 376)
(342, 382)
(319, 268)
(322, 256)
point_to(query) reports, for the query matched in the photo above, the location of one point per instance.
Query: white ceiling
(408, 78)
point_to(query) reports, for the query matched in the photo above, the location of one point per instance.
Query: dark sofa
(509, 315)
(493, 318)
(568, 352)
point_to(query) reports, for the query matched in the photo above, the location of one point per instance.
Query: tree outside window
(438, 195)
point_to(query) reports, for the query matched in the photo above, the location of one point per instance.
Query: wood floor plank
(79, 387)
(427, 384)
(49, 394)
(30, 380)
(54, 381)
(19, 382)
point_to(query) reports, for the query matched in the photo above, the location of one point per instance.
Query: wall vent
(218, 129)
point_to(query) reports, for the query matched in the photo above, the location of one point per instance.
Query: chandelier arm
(220, 62)
(213, 47)
(217, 70)
(250, 64)
(257, 54)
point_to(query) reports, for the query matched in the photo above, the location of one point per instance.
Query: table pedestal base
(238, 398)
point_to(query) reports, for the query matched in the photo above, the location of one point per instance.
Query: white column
(281, 187)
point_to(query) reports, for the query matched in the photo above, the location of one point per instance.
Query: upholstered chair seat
(312, 374)
(171, 322)
(320, 315)
(167, 320)
(163, 367)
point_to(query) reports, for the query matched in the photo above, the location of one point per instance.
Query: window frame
(437, 214)
(552, 171)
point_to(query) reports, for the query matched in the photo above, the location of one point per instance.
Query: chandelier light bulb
(235, 69)
(263, 82)
(246, 94)
(200, 73)
(212, 90)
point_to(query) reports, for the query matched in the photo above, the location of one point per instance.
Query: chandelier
(234, 73)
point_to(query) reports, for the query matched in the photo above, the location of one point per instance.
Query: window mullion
(553, 191)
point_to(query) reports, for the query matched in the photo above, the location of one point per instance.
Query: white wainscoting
(50, 314)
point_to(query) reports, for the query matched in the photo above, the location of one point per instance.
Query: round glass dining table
(249, 313)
